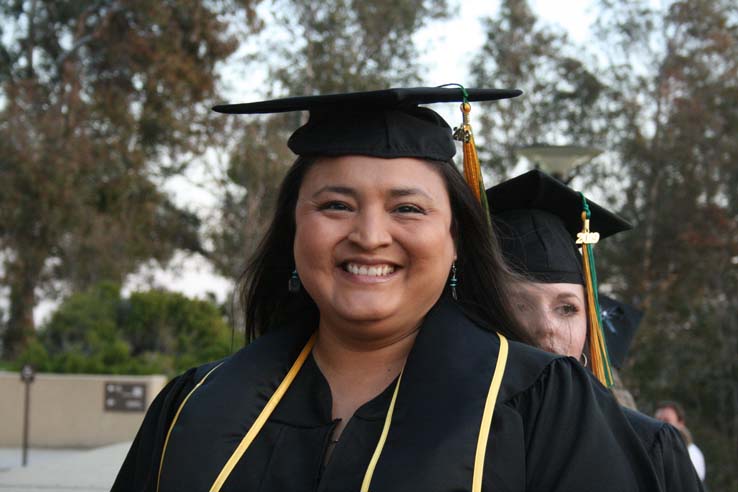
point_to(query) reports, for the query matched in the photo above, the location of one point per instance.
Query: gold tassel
(598, 356)
(472, 168)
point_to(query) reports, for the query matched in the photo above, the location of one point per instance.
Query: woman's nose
(547, 325)
(371, 230)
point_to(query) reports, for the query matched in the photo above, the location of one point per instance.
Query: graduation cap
(385, 123)
(620, 321)
(538, 218)
(540, 223)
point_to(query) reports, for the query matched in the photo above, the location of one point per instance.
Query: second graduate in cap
(539, 221)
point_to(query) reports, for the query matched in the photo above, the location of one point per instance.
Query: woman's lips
(369, 273)
(377, 270)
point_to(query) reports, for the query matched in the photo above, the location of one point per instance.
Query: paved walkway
(85, 471)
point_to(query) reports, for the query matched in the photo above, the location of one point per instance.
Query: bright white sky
(450, 46)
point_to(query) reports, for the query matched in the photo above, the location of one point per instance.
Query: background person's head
(671, 412)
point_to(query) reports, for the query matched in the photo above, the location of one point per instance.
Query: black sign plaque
(125, 397)
(28, 373)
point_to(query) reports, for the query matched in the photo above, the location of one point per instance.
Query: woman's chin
(367, 314)
(366, 309)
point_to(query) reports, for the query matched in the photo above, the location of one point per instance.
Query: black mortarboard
(386, 123)
(620, 322)
(537, 218)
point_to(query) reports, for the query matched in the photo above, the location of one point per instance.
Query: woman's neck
(356, 370)
(341, 355)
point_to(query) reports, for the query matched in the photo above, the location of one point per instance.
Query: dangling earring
(584, 363)
(293, 286)
(453, 281)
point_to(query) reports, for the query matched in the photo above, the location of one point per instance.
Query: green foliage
(100, 101)
(96, 331)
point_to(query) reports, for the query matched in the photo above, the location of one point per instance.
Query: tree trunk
(21, 327)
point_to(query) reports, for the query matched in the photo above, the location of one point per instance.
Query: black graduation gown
(668, 453)
(552, 429)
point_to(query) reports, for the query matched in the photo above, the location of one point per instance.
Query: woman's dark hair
(484, 277)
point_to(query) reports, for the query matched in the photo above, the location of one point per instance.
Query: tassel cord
(472, 167)
(600, 360)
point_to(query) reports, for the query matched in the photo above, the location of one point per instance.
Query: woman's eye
(339, 206)
(409, 209)
(567, 309)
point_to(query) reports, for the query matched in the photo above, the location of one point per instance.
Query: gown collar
(432, 363)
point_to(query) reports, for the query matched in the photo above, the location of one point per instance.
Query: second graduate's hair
(484, 278)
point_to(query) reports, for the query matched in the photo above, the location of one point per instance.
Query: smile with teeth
(369, 270)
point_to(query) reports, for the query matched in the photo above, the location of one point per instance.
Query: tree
(562, 96)
(661, 98)
(101, 101)
(676, 117)
(98, 331)
(323, 47)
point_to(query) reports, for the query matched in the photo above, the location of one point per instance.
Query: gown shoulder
(140, 468)
(576, 436)
(142, 461)
(668, 453)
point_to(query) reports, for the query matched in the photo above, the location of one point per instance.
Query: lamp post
(558, 160)
(28, 375)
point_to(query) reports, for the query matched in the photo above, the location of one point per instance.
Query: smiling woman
(389, 368)
(373, 234)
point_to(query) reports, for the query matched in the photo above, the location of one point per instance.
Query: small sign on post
(125, 397)
(27, 375)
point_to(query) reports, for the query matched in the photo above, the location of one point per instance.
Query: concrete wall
(68, 410)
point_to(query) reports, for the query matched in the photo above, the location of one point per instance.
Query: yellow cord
(174, 421)
(263, 416)
(382, 439)
(489, 409)
(484, 429)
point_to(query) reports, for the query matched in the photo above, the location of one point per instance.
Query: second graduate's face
(373, 244)
(554, 314)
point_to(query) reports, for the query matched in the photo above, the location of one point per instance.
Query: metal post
(26, 411)
(28, 374)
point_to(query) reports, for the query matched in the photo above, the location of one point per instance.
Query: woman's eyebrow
(401, 192)
(342, 190)
(394, 192)
(567, 295)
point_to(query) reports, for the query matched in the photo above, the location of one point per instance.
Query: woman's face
(373, 244)
(554, 314)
